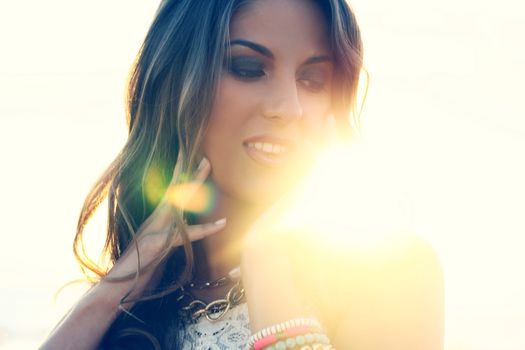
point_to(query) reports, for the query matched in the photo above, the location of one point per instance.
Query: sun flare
(352, 196)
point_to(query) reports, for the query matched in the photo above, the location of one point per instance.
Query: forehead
(291, 25)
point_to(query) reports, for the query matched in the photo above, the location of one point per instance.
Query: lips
(269, 150)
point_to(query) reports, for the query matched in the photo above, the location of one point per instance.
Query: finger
(198, 232)
(159, 219)
(177, 169)
(201, 173)
(152, 243)
(176, 196)
(191, 194)
(203, 170)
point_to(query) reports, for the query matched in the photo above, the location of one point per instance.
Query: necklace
(216, 309)
(233, 276)
(208, 285)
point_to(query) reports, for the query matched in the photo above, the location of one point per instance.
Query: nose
(282, 103)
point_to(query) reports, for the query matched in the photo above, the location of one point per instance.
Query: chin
(250, 184)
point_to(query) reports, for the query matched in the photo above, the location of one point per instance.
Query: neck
(218, 254)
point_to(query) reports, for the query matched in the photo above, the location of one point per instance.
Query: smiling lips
(266, 147)
(268, 151)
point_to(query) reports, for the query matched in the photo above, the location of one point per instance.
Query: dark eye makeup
(250, 68)
(313, 78)
(246, 67)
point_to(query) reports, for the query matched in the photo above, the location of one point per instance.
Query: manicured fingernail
(220, 221)
(203, 163)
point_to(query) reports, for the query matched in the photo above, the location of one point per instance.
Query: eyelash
(313, 85)
(248, 74)
(258, 72)
(237, 70)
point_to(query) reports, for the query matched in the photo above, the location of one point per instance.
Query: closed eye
(246, 67)
(313, 85)
(314, 78)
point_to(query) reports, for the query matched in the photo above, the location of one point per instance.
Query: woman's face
(273, 99)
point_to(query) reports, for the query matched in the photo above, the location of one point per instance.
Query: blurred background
(445, 101)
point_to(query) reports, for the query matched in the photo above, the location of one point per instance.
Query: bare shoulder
(388, 296)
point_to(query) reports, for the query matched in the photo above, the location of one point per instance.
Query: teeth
(268, 147)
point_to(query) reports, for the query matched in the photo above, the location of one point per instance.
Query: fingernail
(203, 163)
(220, 221)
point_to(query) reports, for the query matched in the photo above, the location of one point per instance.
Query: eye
(246, 68)
(313, 79)
(312, 85)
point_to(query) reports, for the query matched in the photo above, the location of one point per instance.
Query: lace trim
(232, 332)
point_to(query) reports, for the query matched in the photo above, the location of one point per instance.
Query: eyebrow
(255, 47)
(318, 59)
(266, 52)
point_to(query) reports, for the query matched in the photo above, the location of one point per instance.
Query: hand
(154, 238)
(95, 312)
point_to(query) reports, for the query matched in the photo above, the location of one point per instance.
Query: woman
(240, 95)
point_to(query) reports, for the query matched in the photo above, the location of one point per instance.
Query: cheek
(317, 111)
(235, 115)
(227, 126)
(228, 112)
(224, 122)
(233, 103)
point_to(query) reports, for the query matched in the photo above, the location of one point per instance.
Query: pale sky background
(445, 99)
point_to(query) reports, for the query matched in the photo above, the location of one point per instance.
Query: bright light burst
(193, 197)
(352, 196)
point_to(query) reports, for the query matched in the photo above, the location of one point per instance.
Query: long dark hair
(171, 89)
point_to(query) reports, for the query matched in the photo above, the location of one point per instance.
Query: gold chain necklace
(216, 309)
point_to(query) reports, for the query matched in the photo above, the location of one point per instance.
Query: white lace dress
(231, 332)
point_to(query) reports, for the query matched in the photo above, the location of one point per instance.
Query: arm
(84, 326)
(389, 299)
(271, 294)
(399, 304)
(385, 296)
(87, 322)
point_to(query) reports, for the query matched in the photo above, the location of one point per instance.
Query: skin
(88, 320)
(388, 298)
(286, 98)
(289, 98)
(282, 101)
